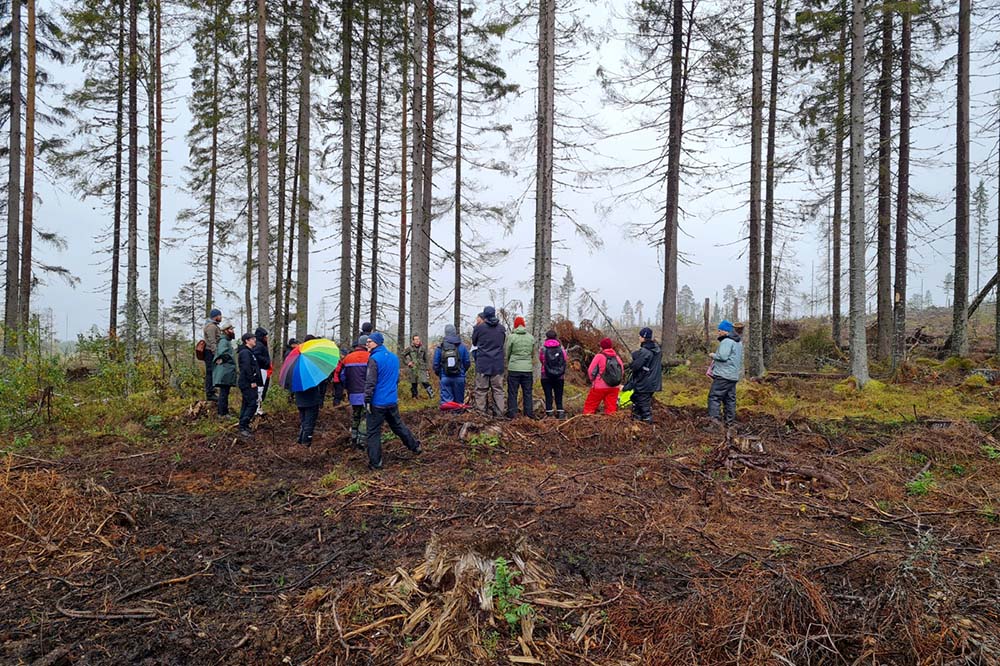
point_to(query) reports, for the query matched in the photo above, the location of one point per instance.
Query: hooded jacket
(451, 340)
(212, 334)
(249, 370)
(352, 371)
(647, 368)
(382, 378)
(541, 354)
(597, 368)
(224, 370)
(520, 351)
(728, 361)
(261, 352)
(488, 338)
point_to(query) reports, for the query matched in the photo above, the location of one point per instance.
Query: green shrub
(25, 383)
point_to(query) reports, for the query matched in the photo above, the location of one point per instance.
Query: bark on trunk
(858, 341)
(28, 219)
(902, 196)
(767, 297)
(669, 305)
(277, 337)
(755, 351)
(545, 145)
(248, 149)
(116, 222)
(884, 245)
(12, 291)
(346, 168)
(154, 157)
(263, 227)
(401, 310)
(213, 177)
(420, 256)
(377, 176)
(960, 338)
(460, 75)
(132, 279)
(836, 271)
(302, 171)
(362, 157)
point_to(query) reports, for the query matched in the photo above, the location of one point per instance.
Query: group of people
(368, 376)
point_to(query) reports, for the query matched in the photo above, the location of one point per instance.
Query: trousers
(389, 415)
(722, 397)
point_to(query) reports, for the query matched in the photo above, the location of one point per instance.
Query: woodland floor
(794, 542)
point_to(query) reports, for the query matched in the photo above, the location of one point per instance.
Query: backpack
(199, 350)
(555, 362)
(613, 372)
(450, 360)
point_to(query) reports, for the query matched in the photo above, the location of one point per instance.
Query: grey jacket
(212, 335)
(728, 361)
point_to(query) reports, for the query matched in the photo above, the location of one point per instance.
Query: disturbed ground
(784, 543)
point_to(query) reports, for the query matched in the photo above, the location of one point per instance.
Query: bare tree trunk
(755, 351)
(960, 335)
(132, 279)
(12, 291)
(28, 220)
(248, 148)
(669, 312)
(767, 316)
(277, 339)
(838, 182)
(902, 196)
(213, 177)
(858, 341)
(154, 156)
(377, 204)
(884, 249)
(362, 157)
(421, 232)
(460, 75)
(303, 159)
(346, 167)
(545, 144)
(996, 315)
(263, 227)
(292, 247)
(401, 310)
(116, 230)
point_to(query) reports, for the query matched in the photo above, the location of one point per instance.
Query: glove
(368, 407)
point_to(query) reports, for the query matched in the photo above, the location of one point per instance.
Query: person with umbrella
(382, 400)
(305, 368)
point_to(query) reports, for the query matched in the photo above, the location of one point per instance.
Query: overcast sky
(624, 267)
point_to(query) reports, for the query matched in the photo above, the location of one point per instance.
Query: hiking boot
(417, 451)
(549, 413)
(246, 433)
(714, 426)
(375, 468)
(560, 414)
(430, 392)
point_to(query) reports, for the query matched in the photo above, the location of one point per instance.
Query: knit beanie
(377, 338)
(550, 335)
(727, 326)
(518, 322)
(646, 333)
(606, 343)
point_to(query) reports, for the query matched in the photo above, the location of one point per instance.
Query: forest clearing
(833, 527)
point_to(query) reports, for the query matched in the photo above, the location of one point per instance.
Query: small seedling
(507, 596)
(491, 640)
(176, 458)
(155, 423)
(329, 479)
(991, 451)
(352, 488)
(58, 451)
(958, 470)
(781, 549)
(989, 512)
(923, 484)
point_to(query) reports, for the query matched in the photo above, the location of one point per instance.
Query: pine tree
(959, 333)
(902, 195)
(12, 290)
(544, 165)
(858, 342)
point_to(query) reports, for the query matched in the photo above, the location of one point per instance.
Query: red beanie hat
(519, 322)
(607, 344)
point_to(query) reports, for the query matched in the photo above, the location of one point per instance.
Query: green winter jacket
(520, 351)
(224, 372)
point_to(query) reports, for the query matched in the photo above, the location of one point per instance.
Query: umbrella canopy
(309, 364)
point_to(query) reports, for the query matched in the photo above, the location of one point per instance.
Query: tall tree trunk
(996, 316)
(884, 245)
(767, 316)
(213, 177)
(401, 310)
(838, 182)
(960, 321)
(362, 157)
(858, 341)
(902, 196)
(12, 291)
(545, 146)
(132, 279)
(460, 76)
(263, 226)
(377, 176)
(755, 350)
(303, 159)
(154, 156)
(421, 232)
(116, 229)
(676, 122)
(28, 220)
(248, 148)
(345, 187)
(277, 338)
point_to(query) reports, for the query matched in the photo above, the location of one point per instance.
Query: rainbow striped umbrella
(309, 364)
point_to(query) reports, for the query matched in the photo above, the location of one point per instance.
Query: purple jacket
(541, 353)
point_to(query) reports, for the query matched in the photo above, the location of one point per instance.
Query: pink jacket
(597, 366)
(541, 353)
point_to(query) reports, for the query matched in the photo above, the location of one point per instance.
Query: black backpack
(613, 372)
(555, 362)
(450, 360)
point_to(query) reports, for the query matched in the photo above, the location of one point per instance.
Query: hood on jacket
(521, 330)
(735, 337)
(261, 332)
(450, 330)
(490, 316)
(651, 345)
(552, 343)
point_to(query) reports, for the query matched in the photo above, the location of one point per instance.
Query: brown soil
(633, 544)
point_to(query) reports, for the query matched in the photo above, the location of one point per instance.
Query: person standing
(308, 403)
(263, 355)
(224, 375)
(552, 357)
(352, 370)
(382, 400)
(726, 370)
(647, 375)
(211, 334)
(519, 352)
(606, 372)
(488, 339)
(248, 381)
(415, 357)
(451, 362)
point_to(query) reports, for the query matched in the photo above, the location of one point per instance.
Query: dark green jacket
(224, 372)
